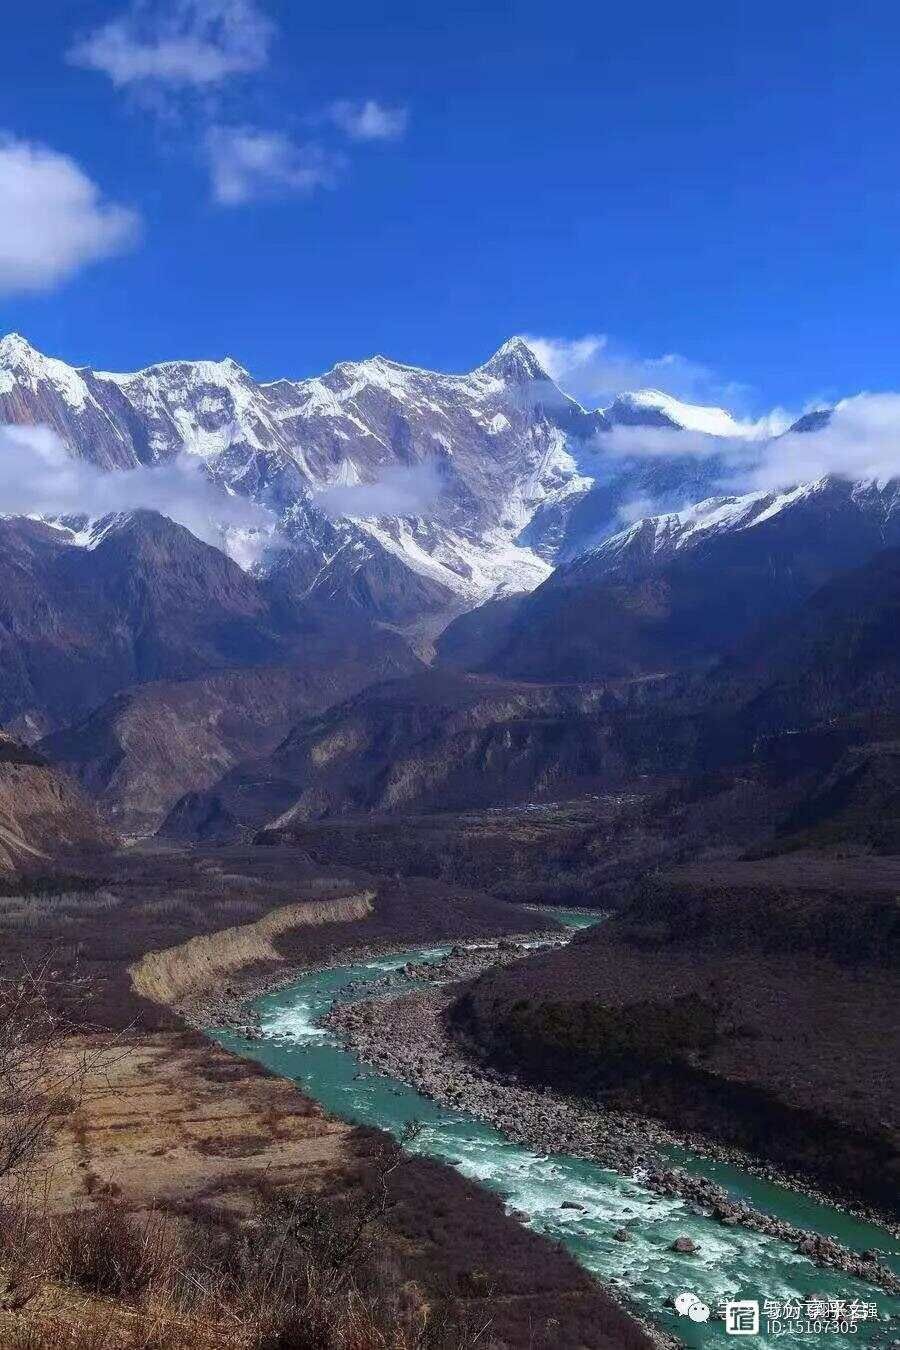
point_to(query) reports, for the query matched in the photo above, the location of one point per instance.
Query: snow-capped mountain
(651, 407)
(676, 590)
(871, 509)
(404, 491)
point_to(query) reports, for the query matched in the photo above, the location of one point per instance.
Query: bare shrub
(39, 1083)
(106, 1251)
(304, 1273)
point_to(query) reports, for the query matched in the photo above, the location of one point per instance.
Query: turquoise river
(731, 1262)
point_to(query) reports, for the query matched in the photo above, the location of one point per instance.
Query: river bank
(575, 1202)
(230, 1006)
(405, 1034)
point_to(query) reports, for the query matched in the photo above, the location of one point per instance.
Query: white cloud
(594, 369)
(400, 491)
(53, 218)
(663, 443)
(369, 120)
(246, 164)
(630, 442)
(38, 476)
(183, 43)
(180, 58)
(638, 508)
(861, 440)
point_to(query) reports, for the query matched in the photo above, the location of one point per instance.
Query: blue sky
(715, 181)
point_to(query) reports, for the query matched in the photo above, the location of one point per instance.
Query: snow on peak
(22, 364)
(88, 532)
(515, 362)
(16, 351)
(687, 416)
(662, 536)
(208, 372)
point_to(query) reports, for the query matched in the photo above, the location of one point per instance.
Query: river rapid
(580, 1203)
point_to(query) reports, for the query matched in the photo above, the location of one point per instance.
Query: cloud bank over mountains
(595, 367)
(38, 476)
(858, 439)
(398, 491)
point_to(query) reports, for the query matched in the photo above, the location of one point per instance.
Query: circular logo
(689, 1305)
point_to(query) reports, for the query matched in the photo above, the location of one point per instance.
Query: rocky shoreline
(427, 1057)
(229, 1008)
(405, 1034)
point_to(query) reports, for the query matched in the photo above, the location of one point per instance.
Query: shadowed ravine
(572, 1200)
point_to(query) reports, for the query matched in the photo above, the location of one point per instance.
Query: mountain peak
(516, 363)
(651, 407)
(812, 421)
(16, 350)
(23, 365)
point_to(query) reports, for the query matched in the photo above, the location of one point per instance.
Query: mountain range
(381, 518)
(406, 492)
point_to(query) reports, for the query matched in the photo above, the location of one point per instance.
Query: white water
(732, 1262)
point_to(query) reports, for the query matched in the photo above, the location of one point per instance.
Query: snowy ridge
(654, 539)
(508, 456)
(687, 416)
(665, 534)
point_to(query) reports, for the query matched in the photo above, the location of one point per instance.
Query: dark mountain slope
(143, 749)
(856, 804)
(360, 580)
(469, 641)
(813, 699)
(751, 1002)
(145, 600)
(836, 655)
(666, 595)
(434, 741)
(800, 721)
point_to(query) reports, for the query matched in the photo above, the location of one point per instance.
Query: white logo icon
(689, 1305)
(742, 1317)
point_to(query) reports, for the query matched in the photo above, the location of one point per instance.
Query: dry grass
(299, 1274)
(201, 963)
(159, 1130)
(34, 912)
(165, 1119)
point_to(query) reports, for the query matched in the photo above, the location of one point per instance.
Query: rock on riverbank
(405, 1035)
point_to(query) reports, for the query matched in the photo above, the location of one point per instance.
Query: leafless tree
(41, 1079)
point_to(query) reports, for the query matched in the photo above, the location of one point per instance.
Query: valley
(355, 745)
(449, 676)
(528, 1144)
